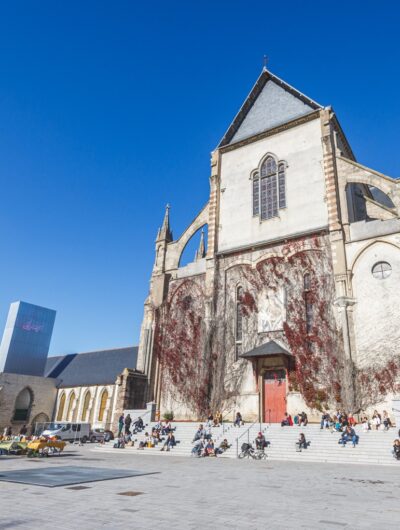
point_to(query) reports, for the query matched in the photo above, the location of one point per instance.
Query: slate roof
(251, 99)
(91, 368)
(269, 348)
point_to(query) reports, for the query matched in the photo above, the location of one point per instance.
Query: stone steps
(374, 446)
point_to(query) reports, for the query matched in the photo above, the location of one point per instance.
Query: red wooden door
(274, 396)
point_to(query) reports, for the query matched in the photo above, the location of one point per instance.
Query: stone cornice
(270, 132)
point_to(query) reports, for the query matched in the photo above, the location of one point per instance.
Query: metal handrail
(247, 431)
(222, 419)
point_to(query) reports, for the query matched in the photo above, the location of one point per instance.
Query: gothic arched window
(61, 406)
(269, 188)
(86, 403)
(70, 406)
(282, 186)
(103, 403)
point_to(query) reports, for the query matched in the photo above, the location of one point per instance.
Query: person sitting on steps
(223, 446)
(287, 420)
(210, 420)
(167, 428)
(260, 441)
(238, 420)
(386, 421)
(198, 447)
(366, 424)
(200, 433)
(351, 420)
(138, 425)
(325, 420)
(349, 435)
(217, 419)
(337, 426)
(301, 443)
(303, 420)
(209, 449)
(376, 420)
(169, 442)
(396, 449)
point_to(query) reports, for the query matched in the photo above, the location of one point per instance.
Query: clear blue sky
(109, 110)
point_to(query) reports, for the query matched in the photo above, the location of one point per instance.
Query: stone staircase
(374, 447)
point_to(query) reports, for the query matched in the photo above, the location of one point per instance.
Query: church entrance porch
(274, 395)
(270, 364)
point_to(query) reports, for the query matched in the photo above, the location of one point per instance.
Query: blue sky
(109, 110)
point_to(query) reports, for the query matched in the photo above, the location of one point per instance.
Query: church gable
(272, 102)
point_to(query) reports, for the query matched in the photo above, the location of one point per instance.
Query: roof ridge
(93, 351)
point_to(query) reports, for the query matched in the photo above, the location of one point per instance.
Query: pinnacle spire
(165, 230)
(200, 252)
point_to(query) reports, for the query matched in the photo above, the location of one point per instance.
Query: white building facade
(292, 303)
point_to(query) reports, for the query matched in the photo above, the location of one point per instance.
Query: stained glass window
(269, 189)
(103, 403)
(256, 195)
(282, 186)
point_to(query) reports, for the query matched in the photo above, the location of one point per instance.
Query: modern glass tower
(26, 339)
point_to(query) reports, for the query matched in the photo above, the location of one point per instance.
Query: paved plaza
(193, 493)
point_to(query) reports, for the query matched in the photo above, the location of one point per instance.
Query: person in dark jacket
(261, 442)
(396, 449)
(301, 443)
(121, 421)
(238, 420)
(138, 425)
(349, 435)
(23, 430)
(169, 442)
(128, 421)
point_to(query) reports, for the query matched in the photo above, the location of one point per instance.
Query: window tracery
(269, 188)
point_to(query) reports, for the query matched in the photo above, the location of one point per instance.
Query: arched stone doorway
(38, 424)
(23, 405)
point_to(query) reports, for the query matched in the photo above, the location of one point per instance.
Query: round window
(381, 270)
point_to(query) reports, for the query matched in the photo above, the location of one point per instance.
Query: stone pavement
(209, 493)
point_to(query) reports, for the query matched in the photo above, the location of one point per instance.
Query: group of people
(203, 443)
(301, 420)
(337, 422)
(261, 442)
(8, 434)
(377, 422)
(214, 420)
(161, 434)
(127, 431)
(125, 425)
(341, 420)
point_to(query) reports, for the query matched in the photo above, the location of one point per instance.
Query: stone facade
(101, 405)
(40, 394)
(303, 280)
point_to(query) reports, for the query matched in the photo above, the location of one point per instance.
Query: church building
(292, 301)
